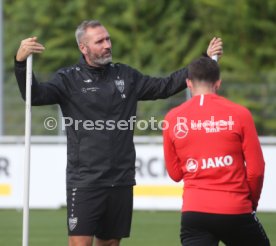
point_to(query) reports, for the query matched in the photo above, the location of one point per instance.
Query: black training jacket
(100, 151)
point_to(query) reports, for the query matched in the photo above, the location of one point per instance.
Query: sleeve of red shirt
(172, 161)
(253, 157)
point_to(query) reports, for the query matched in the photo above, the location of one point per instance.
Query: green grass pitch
(48, 227)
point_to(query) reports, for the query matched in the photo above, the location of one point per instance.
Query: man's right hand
(28, 46)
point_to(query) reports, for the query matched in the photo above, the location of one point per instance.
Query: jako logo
(212, 162)
(221, 161)
(191, 165)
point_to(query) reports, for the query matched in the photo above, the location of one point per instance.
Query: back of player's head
(204, 69)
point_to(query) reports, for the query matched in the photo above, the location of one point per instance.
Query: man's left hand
(215, 47)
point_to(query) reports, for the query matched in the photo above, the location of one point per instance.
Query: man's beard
(99, 60)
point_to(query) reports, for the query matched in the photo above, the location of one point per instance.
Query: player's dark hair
(204, 69)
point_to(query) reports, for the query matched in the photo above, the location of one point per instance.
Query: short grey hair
(80, 31)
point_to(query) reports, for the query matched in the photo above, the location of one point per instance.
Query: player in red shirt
(211, 143)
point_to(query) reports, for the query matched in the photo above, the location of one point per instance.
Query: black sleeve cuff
(20, 64)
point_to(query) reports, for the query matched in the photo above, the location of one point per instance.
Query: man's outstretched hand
(215, 47)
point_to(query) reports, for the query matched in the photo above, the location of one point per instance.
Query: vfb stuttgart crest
(73, 223)
(120, 84)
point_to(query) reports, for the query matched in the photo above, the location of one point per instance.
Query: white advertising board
(154, 189)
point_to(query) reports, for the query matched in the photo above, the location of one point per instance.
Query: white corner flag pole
(215, 57)
(28, 114)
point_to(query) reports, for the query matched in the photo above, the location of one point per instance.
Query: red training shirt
(212, 144)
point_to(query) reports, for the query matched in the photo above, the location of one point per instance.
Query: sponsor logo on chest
(183, 126)
(89, 89)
